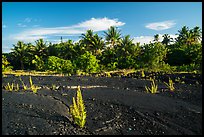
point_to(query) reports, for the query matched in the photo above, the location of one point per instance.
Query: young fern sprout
(32, 86)
(11, 87)
(142, 74)
(77, 109)
(17, 87)
(24, 86)
(170, 85)
(153, 88)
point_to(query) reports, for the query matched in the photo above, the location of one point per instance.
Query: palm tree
(113, 36)
(41, 49)
(67, 50)
(189, 37)
(92, 42)
(156, 38)
(19, 52)
(87, 38)
(166, 39)
(182, 38)
(126, 42)
(197, 34)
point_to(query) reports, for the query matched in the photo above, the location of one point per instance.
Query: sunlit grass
(153, 88)
(11, 87)
(170, 85)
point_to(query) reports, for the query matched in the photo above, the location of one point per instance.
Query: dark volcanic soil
(120, 107)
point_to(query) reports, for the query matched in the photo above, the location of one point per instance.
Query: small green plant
(11, 87)
(178, 80)
(4, 76)
(54, 87)
(153, 88)
(24, 86)
(142, 74)
(170, 85)
(77, 109)
(17, 87)
(32, 86)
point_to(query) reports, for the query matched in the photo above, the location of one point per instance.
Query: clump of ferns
(170, 85)
(24, 86)
(54, 87)
(77, 109)
(142, 74)
(33, 87)
(11, 87)
(153, 88)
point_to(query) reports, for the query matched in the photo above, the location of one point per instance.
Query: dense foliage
(5, 64)
(93, 53)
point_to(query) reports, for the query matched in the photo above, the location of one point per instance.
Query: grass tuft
(153, 88)
(11, 87)
(170, 85)
(33, 87)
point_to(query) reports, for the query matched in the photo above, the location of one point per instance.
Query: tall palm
(182, 35)
(87, 38)
(113, 36)
(126, 41)
(190, 39)
(19, 52)
(125, 45)
(93, 42)
(98, 44)
(189, 36)
(197, 34)
(67, 50)
(166, 39)
(156, 38)
(41, 48)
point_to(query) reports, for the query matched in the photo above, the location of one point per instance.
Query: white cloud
(161, 25)
(99, 24)
(143, 39)
(27, 20)
(36, 26)
(96, 24)
(5, 49)
(147, 39)
(21, 25)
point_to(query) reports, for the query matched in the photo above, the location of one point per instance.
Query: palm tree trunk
(22, 66)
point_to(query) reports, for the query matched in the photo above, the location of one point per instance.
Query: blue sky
(29, 21)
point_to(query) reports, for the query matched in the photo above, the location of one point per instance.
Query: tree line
(93, 53)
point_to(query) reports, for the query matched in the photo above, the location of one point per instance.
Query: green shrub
(5, 64)
(39, 63)
(153, 88)
(87, 63)
(59, 65)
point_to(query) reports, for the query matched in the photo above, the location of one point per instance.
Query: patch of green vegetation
(53, 87)
(96, 54)
(142, 74)
(77, 109)
(153, 88)
(11, 87)
(33, 87)
(170, 85)
(24, 86)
